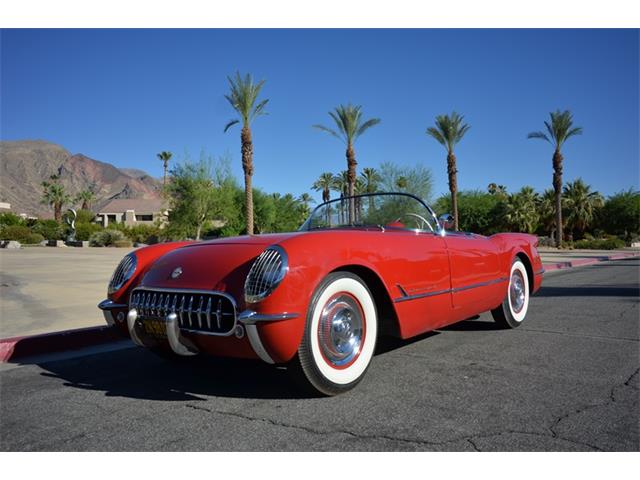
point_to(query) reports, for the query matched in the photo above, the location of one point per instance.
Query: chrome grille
(123, 272)
(266, 273)
(200, 311)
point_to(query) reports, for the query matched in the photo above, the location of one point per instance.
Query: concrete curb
(12, 349)
(549, 267)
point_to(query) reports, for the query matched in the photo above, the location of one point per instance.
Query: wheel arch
(523, 257)
(387, 317)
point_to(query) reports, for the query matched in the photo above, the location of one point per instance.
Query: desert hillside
(24, 165)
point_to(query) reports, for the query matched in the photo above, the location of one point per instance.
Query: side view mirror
(446, 221)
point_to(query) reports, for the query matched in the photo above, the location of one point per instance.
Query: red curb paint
(20, 347)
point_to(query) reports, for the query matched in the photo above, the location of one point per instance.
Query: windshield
(380, 210)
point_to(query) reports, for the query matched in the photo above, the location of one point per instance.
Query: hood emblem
(176, 273)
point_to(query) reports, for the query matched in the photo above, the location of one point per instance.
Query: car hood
(220, 265)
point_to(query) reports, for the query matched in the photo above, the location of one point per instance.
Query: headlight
(123, 272)
(266, 273)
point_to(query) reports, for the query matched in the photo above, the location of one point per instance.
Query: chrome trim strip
(256, 344)
(449, 290)
(540, 272)
(109, 304)
(250, 317)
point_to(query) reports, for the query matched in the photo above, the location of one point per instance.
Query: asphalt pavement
(565, 380)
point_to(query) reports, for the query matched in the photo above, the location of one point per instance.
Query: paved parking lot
(566, 380)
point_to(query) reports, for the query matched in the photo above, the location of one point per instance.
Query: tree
(340, 184)
(547, 211)
(480, 212)
(306, 200)
(559, 130)
(520, 211)
(448, 131)
(581, 206)
(243, 98)
(164, 158)
(621, 214)
(495, 189)
(199, 196)
(55, 196)
(371, 180)
(86, 197)
(349, 126)
(416, 180)
(324, 184)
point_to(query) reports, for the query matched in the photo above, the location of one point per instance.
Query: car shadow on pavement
(137, 373)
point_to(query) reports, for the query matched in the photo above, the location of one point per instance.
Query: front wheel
(513, 310)
(340, 334)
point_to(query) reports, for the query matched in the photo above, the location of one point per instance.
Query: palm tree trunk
(351, 178)
(453, 187)
(557, 188)
(164, 180)
(57, 212)
(85, 205)
(247, 167)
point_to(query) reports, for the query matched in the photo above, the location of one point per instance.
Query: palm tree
(495, 189)
(581, 205)
(547, 211)
(340, 184)
(54, 195)
(306, 199)
(350, 125)
(165, 157)
(371, 179)
(86, 197)
(520, 210)
(243, 97)
(324, 184)
(558, 131)
(448, 131)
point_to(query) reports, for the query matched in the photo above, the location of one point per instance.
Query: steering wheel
(423, 221)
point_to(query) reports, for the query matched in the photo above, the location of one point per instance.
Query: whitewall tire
(340, 334)
(513, 310)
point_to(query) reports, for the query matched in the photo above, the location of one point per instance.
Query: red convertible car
(317, 299)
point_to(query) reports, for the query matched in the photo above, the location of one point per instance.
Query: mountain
(25, 164)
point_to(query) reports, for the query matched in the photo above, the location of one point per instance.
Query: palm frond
(328, 130)
(230, 124)
(540, 135)
(366, 125)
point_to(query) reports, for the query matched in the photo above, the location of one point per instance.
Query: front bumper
(248, 322)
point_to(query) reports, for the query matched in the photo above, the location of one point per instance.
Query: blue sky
(121, 96)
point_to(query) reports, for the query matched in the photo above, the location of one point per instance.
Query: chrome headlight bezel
(266, 273)
(123, 272)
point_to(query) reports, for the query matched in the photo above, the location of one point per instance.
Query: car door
(421, 289)
(475, 273)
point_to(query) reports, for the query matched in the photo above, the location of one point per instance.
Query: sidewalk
(554, 259)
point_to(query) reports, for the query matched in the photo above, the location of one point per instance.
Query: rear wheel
(340, 334)
(514, 308)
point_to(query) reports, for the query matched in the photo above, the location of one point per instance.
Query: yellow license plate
(155, 328)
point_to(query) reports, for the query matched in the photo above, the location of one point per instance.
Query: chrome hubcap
(517, 291)
(341, 330)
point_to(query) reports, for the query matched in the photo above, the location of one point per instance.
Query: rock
(56, 243)
(77, 243)
(11, 244)
(635, 244)
(138, 244)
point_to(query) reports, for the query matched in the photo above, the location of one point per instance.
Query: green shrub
(33, 239)
(85, 230)
(84, 216)
(105, 238)
(19, 233)
(49, 229)
(610, 243)
(143, 233)
(10, 218)
(122, 243)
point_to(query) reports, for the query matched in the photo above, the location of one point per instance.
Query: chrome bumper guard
(106, 306)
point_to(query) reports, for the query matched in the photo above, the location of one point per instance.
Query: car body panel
(430, 280)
